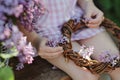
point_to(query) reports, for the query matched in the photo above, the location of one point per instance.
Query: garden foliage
(111, 9)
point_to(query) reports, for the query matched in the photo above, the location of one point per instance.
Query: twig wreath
(94, 66)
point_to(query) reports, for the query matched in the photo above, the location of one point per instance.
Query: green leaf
(5, 56)
(6, 73)
(13, 53)
(2, 64)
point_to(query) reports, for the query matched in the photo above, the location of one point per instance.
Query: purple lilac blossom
(25, 11)
(86, 52)
(32, 11)
(24, 48)
(19, 66)
(107, 56)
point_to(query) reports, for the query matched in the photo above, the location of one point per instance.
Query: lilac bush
(12, 41)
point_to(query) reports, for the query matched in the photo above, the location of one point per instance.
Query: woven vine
(93, 65)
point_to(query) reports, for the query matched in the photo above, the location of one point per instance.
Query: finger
(51, 55)
(98, 23)
(95, 21)
(56, 54)
(51, 49)
(93, 25)
(86, 17)
(46, 57)
(43, 42)
(99, 17)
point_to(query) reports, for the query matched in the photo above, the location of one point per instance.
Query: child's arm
(31, 36)
(92, 15)
(84, 3)
(39, 43)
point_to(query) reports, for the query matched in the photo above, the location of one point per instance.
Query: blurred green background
(111, 9)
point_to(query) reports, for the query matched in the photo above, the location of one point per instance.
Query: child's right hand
(49, 52)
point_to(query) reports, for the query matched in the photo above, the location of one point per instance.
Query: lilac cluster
(107, 56)
(26, 12)
(8, 10)
(11, 7)
(32, 11)
(26, 52)
(25, 49)
(86, 52)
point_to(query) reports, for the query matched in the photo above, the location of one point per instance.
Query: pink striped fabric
(58, 12)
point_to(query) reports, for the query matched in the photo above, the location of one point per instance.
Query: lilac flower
(9, 43)
(2, 37)
(2, 24)
(7, 32)
(107, 56)
(86, 52)
(32, 11)
(21, 43)
(24, 48)
(29, 59)
(25, 11)
(25, 58)
(3, 17)
(10, 2)
(19, 66)
(2, 8)
(4, 31)
(18, 10)
(28, 49)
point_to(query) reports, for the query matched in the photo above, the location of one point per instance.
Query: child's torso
(58, 11)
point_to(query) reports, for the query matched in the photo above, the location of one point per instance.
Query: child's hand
(49, 52)
(93, 16)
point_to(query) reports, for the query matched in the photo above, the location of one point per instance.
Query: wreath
(94, 66)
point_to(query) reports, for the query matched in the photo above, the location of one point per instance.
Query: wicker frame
(93, 65)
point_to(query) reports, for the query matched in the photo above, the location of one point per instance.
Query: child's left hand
(93, 16)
